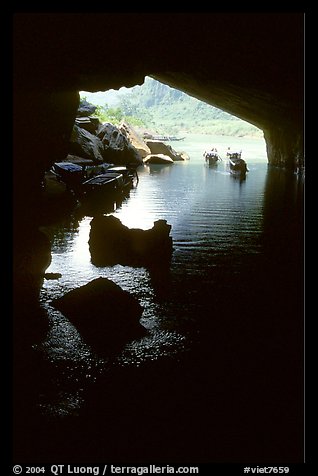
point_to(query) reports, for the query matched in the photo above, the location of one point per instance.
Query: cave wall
(285, 146)
(43, 122)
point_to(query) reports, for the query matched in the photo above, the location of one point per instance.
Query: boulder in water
(105, 315)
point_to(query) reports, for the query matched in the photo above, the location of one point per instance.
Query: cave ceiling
(250, 65)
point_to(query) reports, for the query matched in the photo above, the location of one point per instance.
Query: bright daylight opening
(157, 108)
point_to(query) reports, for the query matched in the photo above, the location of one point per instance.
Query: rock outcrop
(158, 147)
(111, 242)
(134, 138)
(105, 315)
(85, 108)
(85, 144)
(32, 256)
(117, 147)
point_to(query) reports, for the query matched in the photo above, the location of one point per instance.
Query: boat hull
(70, 174)
(237, 167)
(109, 184)
(212, 158)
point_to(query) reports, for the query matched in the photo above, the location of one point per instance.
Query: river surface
(218, 377)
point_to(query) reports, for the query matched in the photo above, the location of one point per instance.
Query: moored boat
(130, 175)
(104, 185)
(162, 138)
(70, 174)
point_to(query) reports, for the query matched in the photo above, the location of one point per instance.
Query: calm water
(224, 325)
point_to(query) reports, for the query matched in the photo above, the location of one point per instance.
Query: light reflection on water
(217, 224)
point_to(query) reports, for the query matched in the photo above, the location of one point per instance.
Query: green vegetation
(116, 116)
(157, 107)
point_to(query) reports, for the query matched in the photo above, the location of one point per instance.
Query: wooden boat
(174, 138)
(101, 186)
(96, 169)
(130, 176)
(237, 166)
(212, 157)
(70, 174)
(162, 138)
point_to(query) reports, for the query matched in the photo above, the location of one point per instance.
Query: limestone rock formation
(111, 243)
(158, 147)
(85, 108)
(117, 147)
(86, 145)
(106, 316)
(135, 139)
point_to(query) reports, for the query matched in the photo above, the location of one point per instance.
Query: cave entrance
(152, 123)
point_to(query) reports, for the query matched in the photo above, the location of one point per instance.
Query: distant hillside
(166, 110)
(111, 97)
(153, 94)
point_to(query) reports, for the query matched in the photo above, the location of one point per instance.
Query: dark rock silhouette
(86, 145)
(111, 243)
(105, 315)
(85, 108)
(32, 256)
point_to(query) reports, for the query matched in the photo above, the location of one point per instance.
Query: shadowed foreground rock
(106, 316)
(111, 243)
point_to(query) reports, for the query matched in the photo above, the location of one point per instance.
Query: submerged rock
(105, 315)
(111, 242)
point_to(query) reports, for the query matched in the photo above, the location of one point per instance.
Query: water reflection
(206, 222)
(155, 169)
(62, 233)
